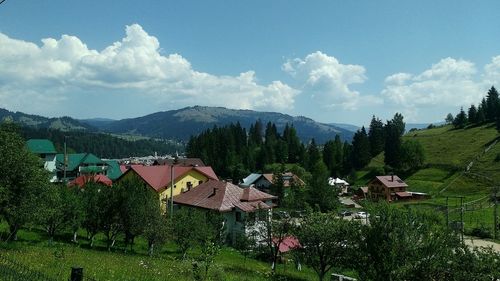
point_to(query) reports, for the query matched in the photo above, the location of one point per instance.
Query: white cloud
(328, 81)
(60, 69)
(449, 82)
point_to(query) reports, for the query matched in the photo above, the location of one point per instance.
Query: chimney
(392, 177)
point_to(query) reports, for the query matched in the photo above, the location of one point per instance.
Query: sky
(334, 61)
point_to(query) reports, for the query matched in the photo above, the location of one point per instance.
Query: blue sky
(333, 61)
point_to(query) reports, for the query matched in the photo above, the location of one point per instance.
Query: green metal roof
(41, 146)
(77, 159)
(114, 171)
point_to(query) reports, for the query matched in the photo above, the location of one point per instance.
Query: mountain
(182, 123)
(36, 121)
(420, 126)
(97, 122)
(349, 127)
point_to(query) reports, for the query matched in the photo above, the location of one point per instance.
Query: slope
(181, 124)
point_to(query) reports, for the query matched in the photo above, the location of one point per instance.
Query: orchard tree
(22, 179)
(327, 242)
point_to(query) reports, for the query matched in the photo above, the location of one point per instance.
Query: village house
(239, 206)
(78, 164)
(263, 182)
(159, 178)
(389, 188)
(46, 151)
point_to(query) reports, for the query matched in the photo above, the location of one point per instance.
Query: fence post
(76, 274)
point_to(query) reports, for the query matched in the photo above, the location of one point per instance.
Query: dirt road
(481, 243)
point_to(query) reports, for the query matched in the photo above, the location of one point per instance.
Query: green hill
(459, 162)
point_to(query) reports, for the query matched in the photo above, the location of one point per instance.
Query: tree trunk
(13, 232)
(151, 249)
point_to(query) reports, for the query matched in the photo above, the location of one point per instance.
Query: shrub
(481, 232)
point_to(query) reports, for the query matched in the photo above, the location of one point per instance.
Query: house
(159, 178)
(46, 151)
(185, 162)
(264, 181)
(361, 193)
(341, 184)
(78, 164)
(114, 171)
(388, 188)
(83, 179)
(238, 205)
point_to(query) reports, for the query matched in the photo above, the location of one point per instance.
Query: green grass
(448, 152)
(32, 250)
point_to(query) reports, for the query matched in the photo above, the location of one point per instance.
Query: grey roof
(251, 179)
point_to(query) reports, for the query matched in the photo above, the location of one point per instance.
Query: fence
(13, 271)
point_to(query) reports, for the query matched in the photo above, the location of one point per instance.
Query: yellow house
(159, 178)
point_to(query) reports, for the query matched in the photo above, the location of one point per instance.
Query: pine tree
(493, 104)
(460, 120)
(472, 113)
(376, 136)
(360, 149)
(449, 119)
(392, 148)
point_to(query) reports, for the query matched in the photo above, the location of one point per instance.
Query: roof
(287, 179)
(288, 243)
(403, 194)
(82, 180)
(391, 181)
(196, 162)
(224, 197)
(114, 170)
(159, 177)
(41, 146)
(77, 159)
(251, 179)
(364, 189)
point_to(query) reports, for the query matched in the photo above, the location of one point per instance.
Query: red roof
(83, 179)
(391, 181)
(224, 197)
(159, 177)
(287, 244)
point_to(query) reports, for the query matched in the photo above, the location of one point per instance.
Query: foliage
(449, 118)
(192, 227)
(22, 179)
(392, 149)
(320, 194)
(404, 245)
(460, 120)
(412, 155)
(376, 136)
(360, 149)
(327, 242)
(103, 145)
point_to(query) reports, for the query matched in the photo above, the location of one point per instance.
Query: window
(189, 185)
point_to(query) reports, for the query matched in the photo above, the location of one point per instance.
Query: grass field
(448, 152)
(32, 250)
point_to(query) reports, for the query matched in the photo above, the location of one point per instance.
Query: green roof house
(114, 171)
(46, 150)
(78, 164)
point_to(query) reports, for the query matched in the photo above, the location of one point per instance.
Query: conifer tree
(376, 136)
(360, 149)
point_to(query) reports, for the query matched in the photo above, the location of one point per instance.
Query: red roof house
(388, 188)
(83, 179)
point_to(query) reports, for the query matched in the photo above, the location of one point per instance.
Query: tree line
(102, 145)
(234, 153)
(487, 111)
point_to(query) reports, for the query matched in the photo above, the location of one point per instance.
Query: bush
(481, 232)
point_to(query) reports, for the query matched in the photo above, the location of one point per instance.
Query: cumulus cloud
(59, 68)
(328, 81)
(450, 82)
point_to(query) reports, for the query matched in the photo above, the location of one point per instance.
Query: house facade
(46, 151)
(159, 178)
(241, 208)
(77, 164)
(389, 188)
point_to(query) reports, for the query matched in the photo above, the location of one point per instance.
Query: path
(475, 242)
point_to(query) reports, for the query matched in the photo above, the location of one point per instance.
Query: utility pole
(462, 217)
(447, 213)
(65, 160)
(172, 187)
(495, 212)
